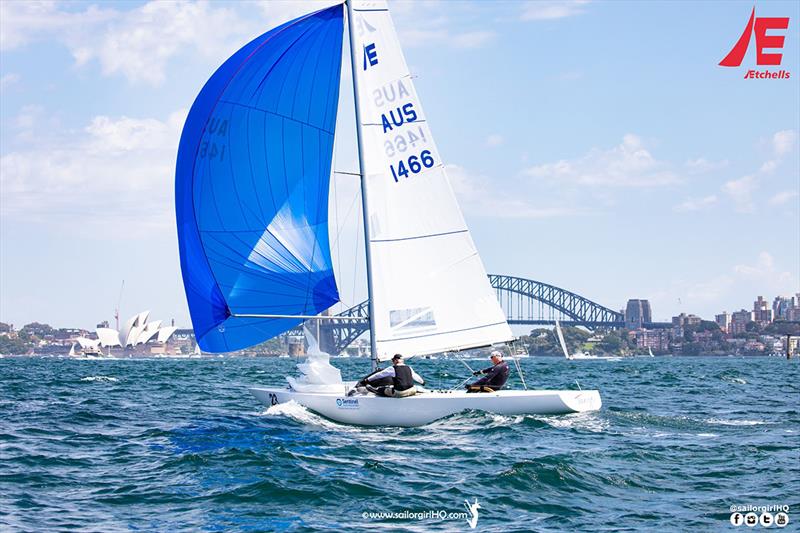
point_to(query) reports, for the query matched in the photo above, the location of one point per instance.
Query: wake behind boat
(252, 190)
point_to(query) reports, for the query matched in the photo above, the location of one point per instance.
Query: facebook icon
(370, 56)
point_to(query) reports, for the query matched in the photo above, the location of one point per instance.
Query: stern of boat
(582, 400)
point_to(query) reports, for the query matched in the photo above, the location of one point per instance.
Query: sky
(596, 146)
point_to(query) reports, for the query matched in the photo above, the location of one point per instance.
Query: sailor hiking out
(397, 381)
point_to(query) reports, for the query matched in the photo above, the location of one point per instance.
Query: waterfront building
(686, 320)
(762, 313)
(723, 320)
(655, 339)
(739, 321)
(637, 312)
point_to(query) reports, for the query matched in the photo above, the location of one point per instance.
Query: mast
(353, 62)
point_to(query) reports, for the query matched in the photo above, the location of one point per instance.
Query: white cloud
(432, 23)
(724, 291)
(764, 271)
(696, 204)
(436, 33)
(553, 9)
(702, 165)
(629, 164)
(137, 43)
(22, 23)
(768, 167)
(783, 142)
(140, 42)
(477, 197)
(9, 79)
(783, 197)
(741, 192)
(115, 175)
(471, 39)
(494, 139)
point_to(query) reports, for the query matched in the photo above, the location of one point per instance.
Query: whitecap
(707, 435)
(503, 420)
(587, 421)
(99, 378)
(723, 422)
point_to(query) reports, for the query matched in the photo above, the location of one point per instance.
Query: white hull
(582, 357)
(426, 407)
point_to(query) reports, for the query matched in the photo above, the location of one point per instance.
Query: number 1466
(413, 165)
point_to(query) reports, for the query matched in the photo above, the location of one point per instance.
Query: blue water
(167, 445)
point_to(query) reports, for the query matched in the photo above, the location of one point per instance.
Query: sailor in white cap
(495, 376)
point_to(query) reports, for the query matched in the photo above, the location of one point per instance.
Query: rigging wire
(358, 242)
(512, 350)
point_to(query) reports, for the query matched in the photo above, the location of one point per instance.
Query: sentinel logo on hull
(347, 403)
(759, 26)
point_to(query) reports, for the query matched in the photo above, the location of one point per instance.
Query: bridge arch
(511, 291)
(519, 292)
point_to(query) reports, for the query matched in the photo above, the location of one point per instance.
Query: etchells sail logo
(760, 26)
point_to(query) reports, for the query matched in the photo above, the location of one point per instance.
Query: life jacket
(403, 379)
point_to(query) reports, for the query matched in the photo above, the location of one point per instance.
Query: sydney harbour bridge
(525, 302)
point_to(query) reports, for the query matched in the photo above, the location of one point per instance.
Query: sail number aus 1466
(413, 165)
(211, 150)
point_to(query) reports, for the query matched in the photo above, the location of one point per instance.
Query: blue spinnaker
(251, 185)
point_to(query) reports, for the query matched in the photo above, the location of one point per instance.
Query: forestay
(430, 289)
(252, 182)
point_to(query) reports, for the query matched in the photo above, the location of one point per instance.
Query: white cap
(497, 354)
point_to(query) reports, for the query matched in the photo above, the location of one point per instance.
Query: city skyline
(672, 179)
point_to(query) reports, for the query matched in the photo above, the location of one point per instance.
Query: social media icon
(737, 519)
(751, 519)
(765, 519)
(781, 519)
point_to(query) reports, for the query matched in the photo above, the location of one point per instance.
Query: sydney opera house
(138, 334)
(137, 330)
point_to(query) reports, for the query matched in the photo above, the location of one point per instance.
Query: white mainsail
(561, 340)
(430, 292)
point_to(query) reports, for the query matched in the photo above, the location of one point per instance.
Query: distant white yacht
(580, 355)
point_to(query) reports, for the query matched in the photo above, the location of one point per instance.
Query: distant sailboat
(580, 355)
(252, 185)
(650, 352)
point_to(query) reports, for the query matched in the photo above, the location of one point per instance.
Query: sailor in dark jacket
(397, 381)
(495, 376)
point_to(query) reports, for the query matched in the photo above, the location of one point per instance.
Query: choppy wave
(99, 378)
(186, 447)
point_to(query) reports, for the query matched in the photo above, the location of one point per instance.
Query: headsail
(430, 290)
(252, 182)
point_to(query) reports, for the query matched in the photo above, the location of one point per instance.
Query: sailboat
(252, 184)
(579, 355)
(198, 353)
(650, 352)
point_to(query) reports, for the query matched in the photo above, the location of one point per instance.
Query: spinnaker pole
(353, 62)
